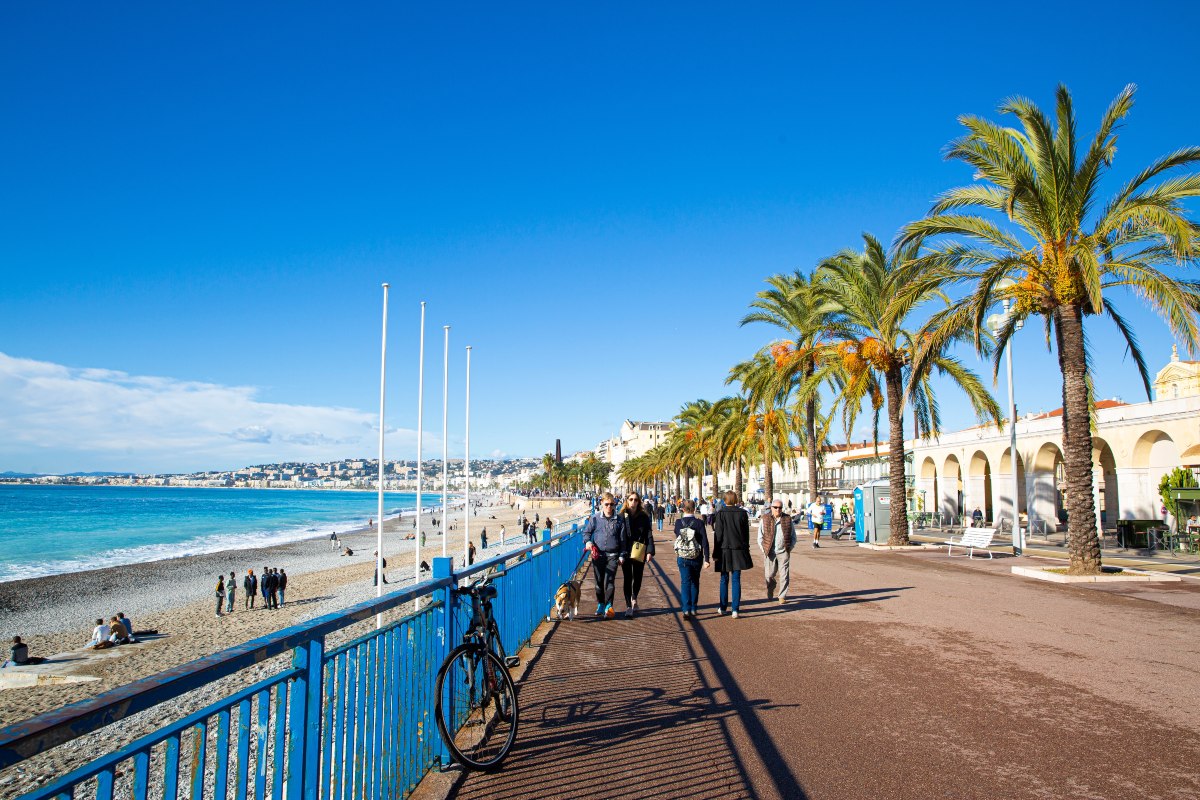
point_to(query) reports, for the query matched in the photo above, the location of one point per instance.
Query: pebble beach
(55, 614)
(175, 596)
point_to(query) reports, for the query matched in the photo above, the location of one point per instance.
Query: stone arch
(926, 495)
(951, 500)
(1154, 455)
(1004, 486)
(1046, 484)
(1107, 486)
(979, 485)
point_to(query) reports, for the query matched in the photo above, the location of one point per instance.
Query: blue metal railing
(353, 722)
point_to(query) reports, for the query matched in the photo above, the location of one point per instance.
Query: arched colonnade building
(1133, 446)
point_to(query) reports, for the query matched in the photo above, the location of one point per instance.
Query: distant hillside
(68, 475)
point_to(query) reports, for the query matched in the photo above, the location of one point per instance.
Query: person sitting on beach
(348, 552)
(126, 624)
(19, 655)
(118, 634)
(100, 634)
(424, 566)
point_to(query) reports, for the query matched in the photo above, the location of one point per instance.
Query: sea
(47, 530)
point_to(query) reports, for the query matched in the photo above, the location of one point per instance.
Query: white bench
(972, 539)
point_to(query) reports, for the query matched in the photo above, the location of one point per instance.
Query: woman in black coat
(731, 549)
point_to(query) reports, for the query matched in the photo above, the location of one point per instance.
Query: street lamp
(997, 322)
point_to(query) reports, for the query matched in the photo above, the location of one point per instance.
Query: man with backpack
(692, 554)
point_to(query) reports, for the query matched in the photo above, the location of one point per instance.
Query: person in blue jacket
(605, 537)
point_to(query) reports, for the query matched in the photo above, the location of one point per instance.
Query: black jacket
(641, 530)
(731, 539)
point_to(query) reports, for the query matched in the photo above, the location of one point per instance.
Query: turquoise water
(46, 530)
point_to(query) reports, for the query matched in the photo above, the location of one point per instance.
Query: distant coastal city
(360, 473)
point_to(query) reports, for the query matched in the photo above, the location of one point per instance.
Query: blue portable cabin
(871, 509)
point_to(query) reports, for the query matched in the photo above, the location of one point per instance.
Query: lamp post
(379, 513)
(997, 322)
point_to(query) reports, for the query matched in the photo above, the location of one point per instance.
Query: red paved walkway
(888, 676)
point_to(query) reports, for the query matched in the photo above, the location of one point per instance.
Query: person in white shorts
(816, 513)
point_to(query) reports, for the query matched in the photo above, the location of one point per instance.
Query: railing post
(304, 722)
(445, 641)
(545, 588)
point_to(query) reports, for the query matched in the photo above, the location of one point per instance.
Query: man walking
(776, 538)
(250, 584)
(605, 537)
(816, 518)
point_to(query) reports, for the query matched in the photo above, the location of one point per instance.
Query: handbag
(638, 551)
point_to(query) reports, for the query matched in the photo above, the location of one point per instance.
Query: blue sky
(198, 206)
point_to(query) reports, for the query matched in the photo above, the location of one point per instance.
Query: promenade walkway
(887, 675)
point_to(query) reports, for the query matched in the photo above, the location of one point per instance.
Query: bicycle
(476, 701)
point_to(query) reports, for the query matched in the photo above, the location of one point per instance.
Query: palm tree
(873, 354)
(1065, 254)
(803, 308)
(767, 392)
(736, 439)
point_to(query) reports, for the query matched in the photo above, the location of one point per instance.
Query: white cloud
(59, 419)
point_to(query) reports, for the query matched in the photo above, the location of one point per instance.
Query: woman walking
(731, 549)
(691, 551)
(641, 550)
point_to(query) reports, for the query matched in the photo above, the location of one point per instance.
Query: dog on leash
(566, 599)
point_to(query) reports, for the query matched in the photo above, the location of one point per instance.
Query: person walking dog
(776, 538)
(605, 538)
(731, 550)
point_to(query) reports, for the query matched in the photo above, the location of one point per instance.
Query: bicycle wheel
(476, 707)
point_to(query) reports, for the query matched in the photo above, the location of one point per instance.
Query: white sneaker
(721, 612)
(735, 615)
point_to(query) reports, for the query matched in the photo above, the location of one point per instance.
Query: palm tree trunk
(738, 486)
(810, 433)
(768, 473)
(687, 482)
(1083, 543)
(894, 382)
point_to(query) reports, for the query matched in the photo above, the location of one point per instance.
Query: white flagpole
(420, 430)
(445, 444)
(467, 468)
(379, 516)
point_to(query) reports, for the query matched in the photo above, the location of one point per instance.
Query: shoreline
(215, 542)
(370, 489)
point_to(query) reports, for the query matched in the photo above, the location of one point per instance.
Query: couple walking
(622, 540)
(731, 552)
